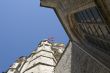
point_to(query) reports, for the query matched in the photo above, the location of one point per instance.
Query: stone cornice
(48, 3)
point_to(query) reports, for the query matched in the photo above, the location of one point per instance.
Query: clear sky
(23, 23)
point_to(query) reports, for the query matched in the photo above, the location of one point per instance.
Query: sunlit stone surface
(41, 60)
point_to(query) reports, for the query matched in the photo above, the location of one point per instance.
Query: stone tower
(41, 60)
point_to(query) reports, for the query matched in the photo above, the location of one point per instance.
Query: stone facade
(76, 60)
(83, 62)
(42, 60)
(87, 23)
(73, 60)
(16, 67)
(64, 64)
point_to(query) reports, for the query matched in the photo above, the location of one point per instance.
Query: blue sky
(23, 23)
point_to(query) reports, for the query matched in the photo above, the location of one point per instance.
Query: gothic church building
(87, 24)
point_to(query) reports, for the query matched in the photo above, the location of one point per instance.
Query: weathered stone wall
(82, 62)
(76, 60)
(64, 64)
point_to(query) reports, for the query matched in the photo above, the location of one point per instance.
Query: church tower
(41, 60)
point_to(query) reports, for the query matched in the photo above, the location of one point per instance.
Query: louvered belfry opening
(94, 27)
